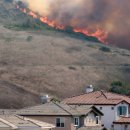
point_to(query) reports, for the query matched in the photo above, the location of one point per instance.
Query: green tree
(120, 87)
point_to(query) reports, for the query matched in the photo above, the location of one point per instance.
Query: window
(97, 120)
(60, 122)
(122, 110)
(76, 121)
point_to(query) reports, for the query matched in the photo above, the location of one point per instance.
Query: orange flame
(32, 14)
(99, 34)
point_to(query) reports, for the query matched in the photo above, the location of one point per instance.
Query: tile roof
(7, 111)
(40, 123)
(9, 124)
(3, 124)
(91, 128)
(14, 122)
(17, 121)
(97, 98)
(123, 120)
(57, 109)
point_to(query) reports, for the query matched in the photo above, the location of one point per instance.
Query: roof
(58, 109)
(8, 124)
(91, 128)
(7, 111)
(3, 125)
(123, 120)
(15, 122)
(40, 123)
(97, 98)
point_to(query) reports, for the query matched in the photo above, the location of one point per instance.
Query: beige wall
(52, 119)
(5, 128)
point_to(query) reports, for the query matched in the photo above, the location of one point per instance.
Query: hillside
(47, 61)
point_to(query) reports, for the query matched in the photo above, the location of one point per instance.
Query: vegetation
(55, 100)
(10, 1)
(105, 49)
(30, 24)
(29, 38)
(120, 87)
(69, 30)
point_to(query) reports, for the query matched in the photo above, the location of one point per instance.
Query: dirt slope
(34, 62)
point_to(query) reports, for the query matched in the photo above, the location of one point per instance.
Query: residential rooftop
(15, 121)
(97, 98)
(123, 120)
(57, 109)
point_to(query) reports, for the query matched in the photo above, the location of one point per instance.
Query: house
(115, 107)
(66, 117)
(8, 122)
(122, 124)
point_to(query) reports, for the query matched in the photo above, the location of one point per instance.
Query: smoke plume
(111, 17)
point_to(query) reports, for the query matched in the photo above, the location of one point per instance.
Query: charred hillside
(35, 61)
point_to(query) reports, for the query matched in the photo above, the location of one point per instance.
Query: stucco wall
(29, 128)
(4, 128)
(110, 115)
(121, 127)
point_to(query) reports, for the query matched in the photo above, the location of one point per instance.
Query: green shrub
(29, 38)
(55, 100)
(105, 49)
(120, 87)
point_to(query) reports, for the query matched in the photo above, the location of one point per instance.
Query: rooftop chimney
(89, 89)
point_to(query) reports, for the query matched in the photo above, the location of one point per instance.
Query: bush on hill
(120, 87)
(105, 49)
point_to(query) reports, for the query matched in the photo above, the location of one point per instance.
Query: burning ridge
(100, 35)
(108, 21)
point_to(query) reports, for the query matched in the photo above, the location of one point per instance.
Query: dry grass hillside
(34, 62)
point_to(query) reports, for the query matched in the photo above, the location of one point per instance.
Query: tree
(120, 87)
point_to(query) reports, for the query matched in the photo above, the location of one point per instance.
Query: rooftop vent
(89, 89)
(45, 99)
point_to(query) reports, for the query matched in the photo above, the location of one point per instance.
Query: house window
(60, 122)
(122, 110)
(97, 120)
(76, 121)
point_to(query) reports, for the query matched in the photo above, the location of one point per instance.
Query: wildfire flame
(99, 34)
(107, 20)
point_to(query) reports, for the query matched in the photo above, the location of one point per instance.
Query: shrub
(55, 100)
(72, 68)
(29, 38)
(105, 49)
(120, 87)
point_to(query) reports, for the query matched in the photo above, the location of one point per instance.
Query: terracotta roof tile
(96, 98)
(123, 120)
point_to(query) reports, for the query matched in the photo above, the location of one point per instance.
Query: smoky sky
(111, 16)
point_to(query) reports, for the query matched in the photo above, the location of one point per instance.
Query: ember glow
(108, 20)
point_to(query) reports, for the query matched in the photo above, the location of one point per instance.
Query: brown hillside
(34, 62)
